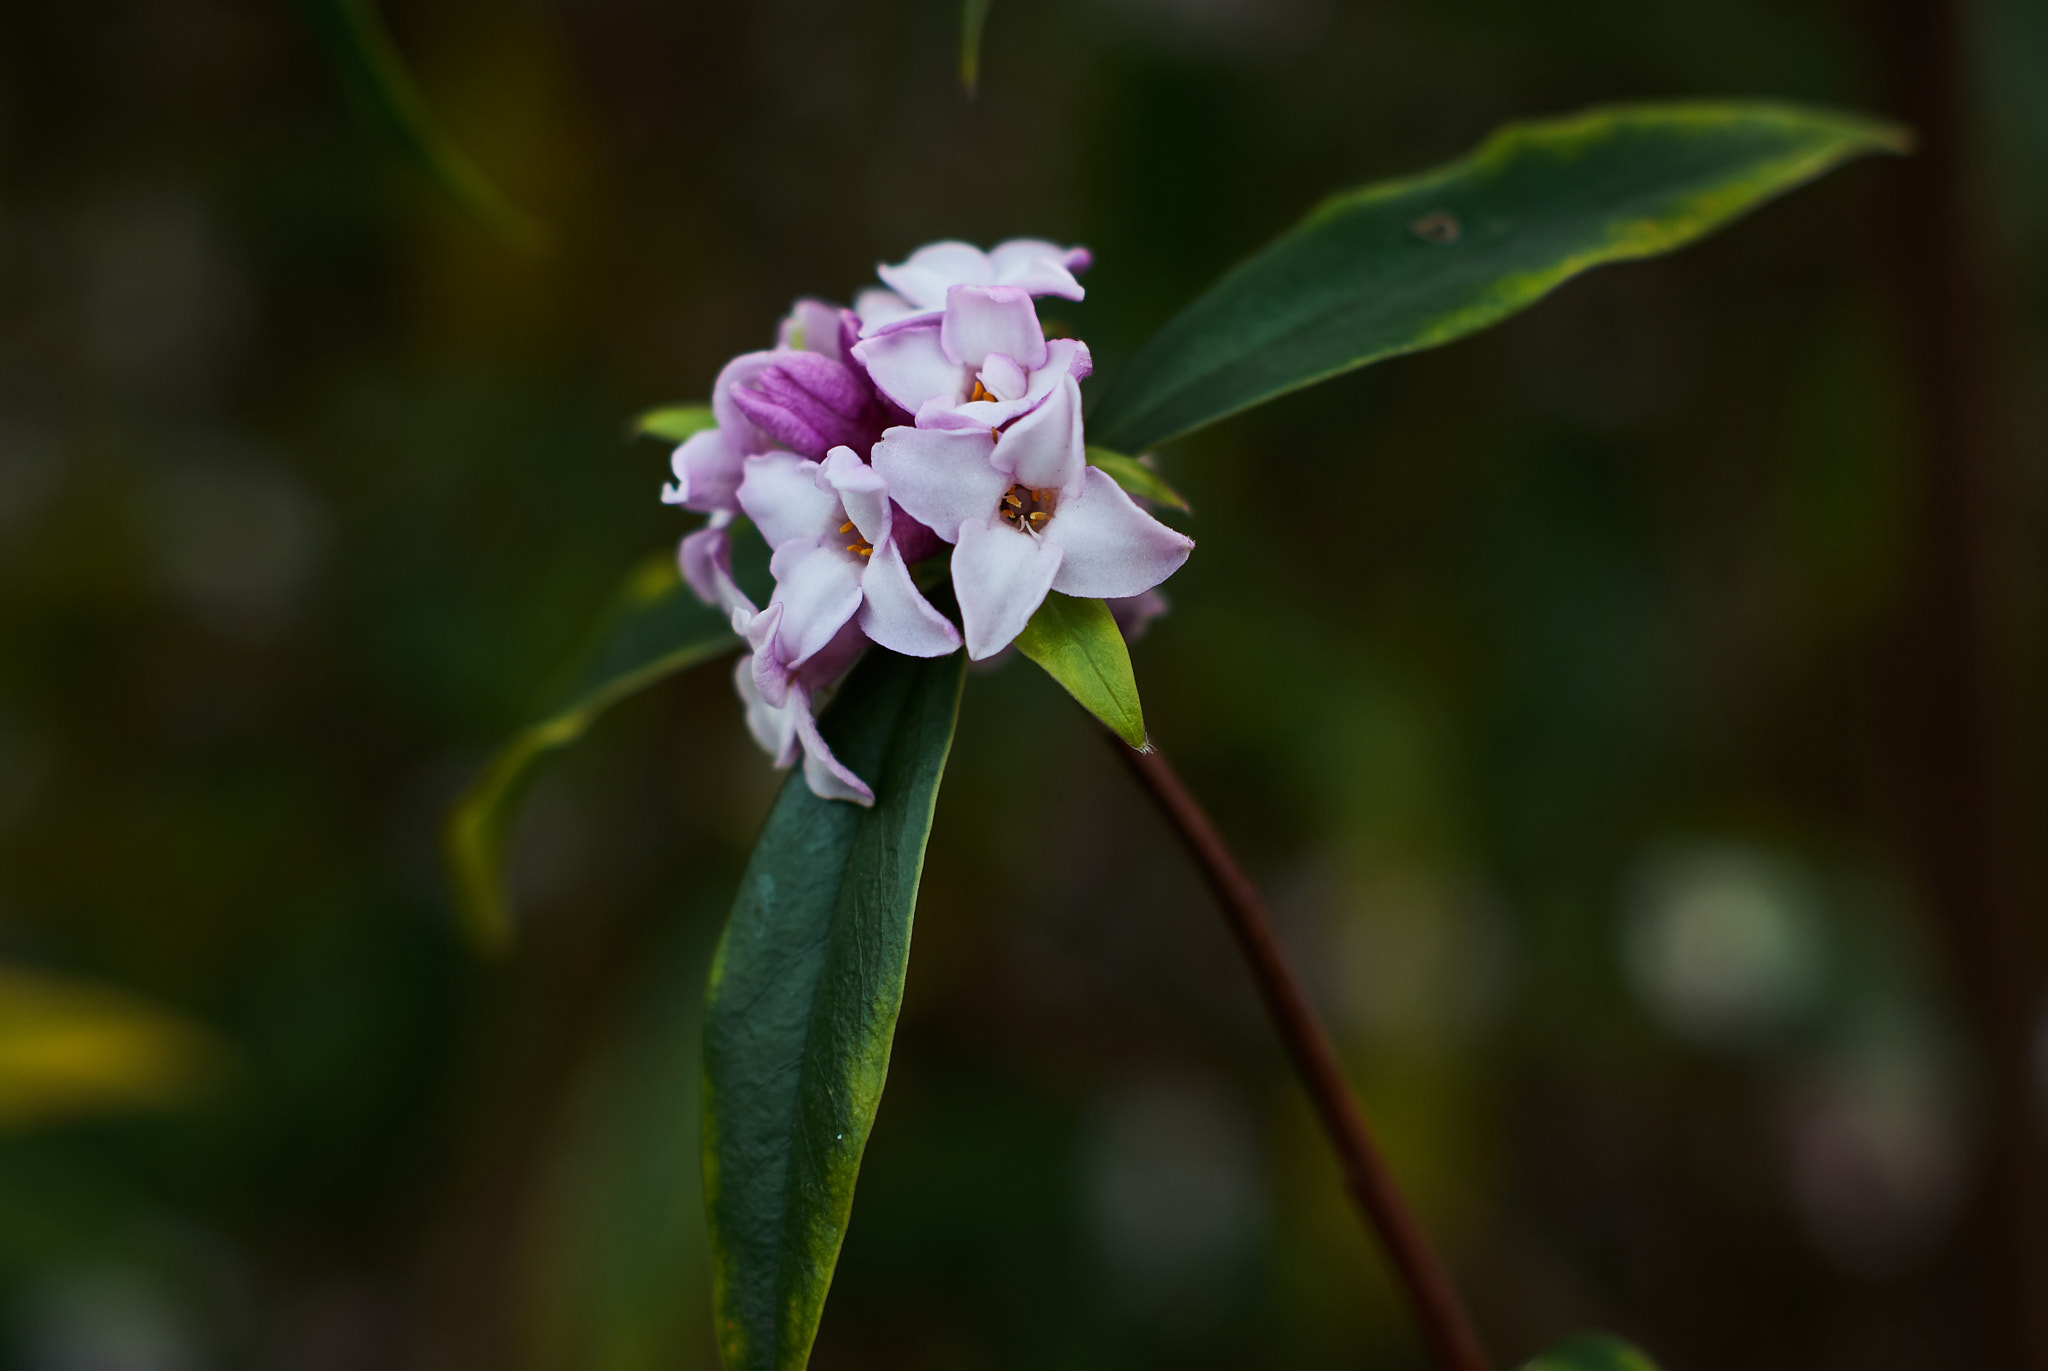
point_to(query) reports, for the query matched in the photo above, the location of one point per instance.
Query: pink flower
(786, 727)
(981, 362)
(836, 561)
(1027, 516)
(918, 285)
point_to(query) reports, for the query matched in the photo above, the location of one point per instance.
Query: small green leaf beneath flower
(655, 628)
(1137, 479)
(673, 423)
(1080, 646)
(1592, 1352)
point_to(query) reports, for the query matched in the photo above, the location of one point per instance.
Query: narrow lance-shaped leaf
(803, 1002)
(1592, 1352)
(366, 59)
(1079, 645)
(655, 628)
(1137, 479)
(1415, 263)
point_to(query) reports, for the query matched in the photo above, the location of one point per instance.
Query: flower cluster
(936, 412)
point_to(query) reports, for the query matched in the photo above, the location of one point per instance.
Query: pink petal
(814, 326)
(861, 492)
(984, 320)
(706, 561)
(1040, 267)
(738, 429)
(773, 726)
(1113, 548)
(707, 468)
(1001, 575)
(924, 278)
(1045, 450)
(826, 775)
(878, 307)
(781, 495)
(908, 365)
(895, 615)
(941, 479)
(818, 586)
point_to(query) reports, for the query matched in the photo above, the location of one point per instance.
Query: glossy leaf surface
(1415, 263)
(674, 423)
(1592, 1352)
(1079, 645)
(1137, 479)
(803, 1002)
(656, 628)
(362, 52)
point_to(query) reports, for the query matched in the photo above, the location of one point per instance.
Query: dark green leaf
(973, 18)
(1137, 479)
(804, 994)
(1411, 264)
(369, 64)
(673, 423)
(1592, 1352)
(1080, 646)
(656, 628)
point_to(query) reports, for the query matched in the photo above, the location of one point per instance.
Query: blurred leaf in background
(73, 1049)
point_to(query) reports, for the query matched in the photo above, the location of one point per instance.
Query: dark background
(1626, 715)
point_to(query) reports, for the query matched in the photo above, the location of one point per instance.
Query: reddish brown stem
(1444, 1324)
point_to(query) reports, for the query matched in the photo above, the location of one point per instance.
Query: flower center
(1028, 507)
(859, 547)
(980, 392)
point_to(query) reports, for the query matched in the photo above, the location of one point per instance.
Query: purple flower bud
(811, 404)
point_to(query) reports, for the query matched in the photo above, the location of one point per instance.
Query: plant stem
(1445, 1326)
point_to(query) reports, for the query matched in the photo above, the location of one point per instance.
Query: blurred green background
(1547, 682)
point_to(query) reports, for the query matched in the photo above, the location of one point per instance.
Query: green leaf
(673, 423)
(803, 1001)
(1080, 646)
(1415, 263)
(973, 18)
(1592, 1352)
(655, 628)
(1137, 479)
(363, 55)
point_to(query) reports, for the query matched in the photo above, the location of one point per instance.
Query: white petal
(894, 614)
(707, 468)
(780, 494)
(984, 320)
(878, 307)
(1113, 548)
(909, 367)
(827, 777)
(941, 479)
(1000, 575)
(818, 586)
(924, 278)
(1045, 450)
(861, 492)
(773, 727)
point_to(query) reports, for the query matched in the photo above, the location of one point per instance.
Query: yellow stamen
(846, 527)
(980, 392)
